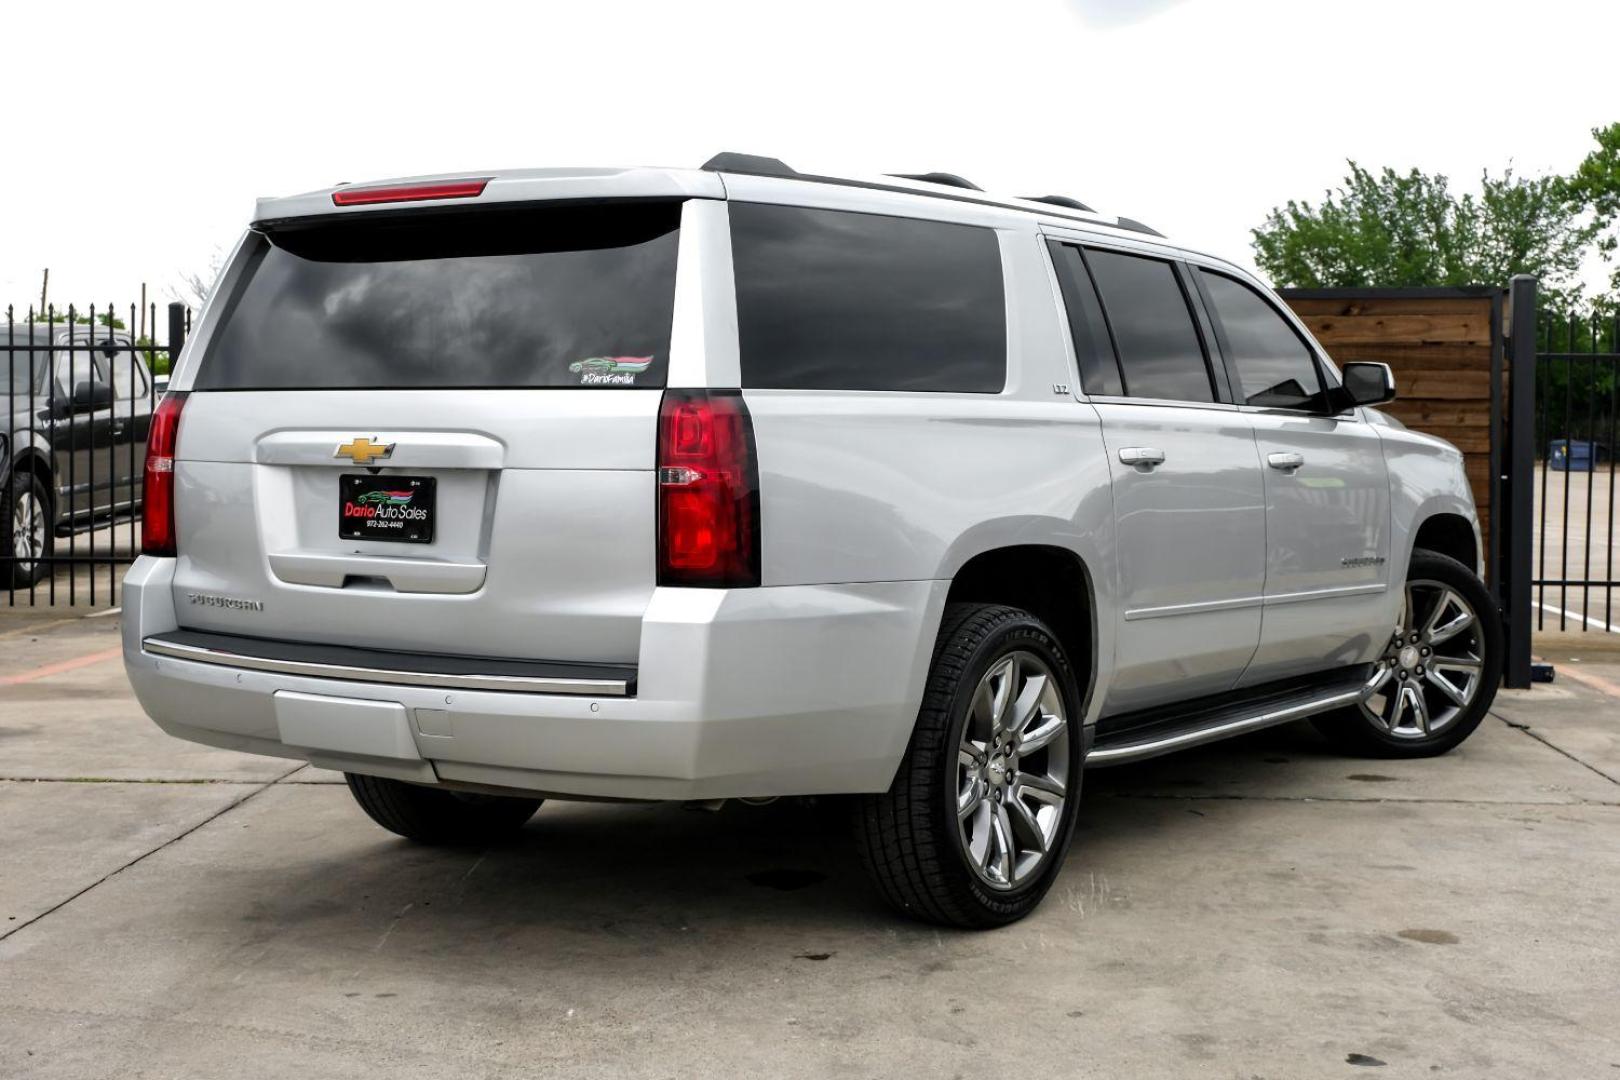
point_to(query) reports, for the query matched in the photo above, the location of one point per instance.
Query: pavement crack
(386, 934)
(1549, 744)
(215, 816)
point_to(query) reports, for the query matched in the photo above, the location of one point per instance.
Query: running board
(1198, 726)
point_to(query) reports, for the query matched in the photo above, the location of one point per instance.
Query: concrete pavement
(1259, 909)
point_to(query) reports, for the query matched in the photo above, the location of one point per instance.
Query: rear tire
(976, 824)
(27, 533)
(1447, 657)
(435, 816)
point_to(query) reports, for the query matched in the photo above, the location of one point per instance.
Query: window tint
(127, 377)
(560, 296)
(830, 300)
(19, 363)
(1099, 370)
(1275, 368)
(14, 382)
(1159, 351)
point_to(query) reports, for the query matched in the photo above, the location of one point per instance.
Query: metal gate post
(177, 332)
(1517, 479)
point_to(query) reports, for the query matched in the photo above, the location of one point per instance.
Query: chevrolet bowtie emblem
(363, 451)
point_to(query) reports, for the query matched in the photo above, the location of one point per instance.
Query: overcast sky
(140, 133)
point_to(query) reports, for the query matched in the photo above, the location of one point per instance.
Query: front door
(1327, 493)
(1327, 560)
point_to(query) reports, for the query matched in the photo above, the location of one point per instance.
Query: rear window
(22, 363)
(15, 379)
(833, 300)
(562, 296)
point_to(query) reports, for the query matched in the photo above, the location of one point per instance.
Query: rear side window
(1099, 371)
(1160, 353)
(1274, 366)
(832, 300)
(559, 296)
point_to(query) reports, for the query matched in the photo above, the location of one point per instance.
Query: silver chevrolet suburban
(741, 482)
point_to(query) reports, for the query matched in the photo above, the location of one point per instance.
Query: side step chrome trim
(1182, 740)
(527, 684)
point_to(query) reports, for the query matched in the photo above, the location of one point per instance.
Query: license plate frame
(389, 509)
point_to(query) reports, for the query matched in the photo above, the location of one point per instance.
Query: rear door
(433, 432)
(1188, 498)
(80, 437)
(1327, 492)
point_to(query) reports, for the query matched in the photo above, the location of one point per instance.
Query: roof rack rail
(1136, 226)
(757, 165)
(947, 179)
(1059, 200)
(748, 164)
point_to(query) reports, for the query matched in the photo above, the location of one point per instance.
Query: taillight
(708, 491)
(157, 512)
(445, 189)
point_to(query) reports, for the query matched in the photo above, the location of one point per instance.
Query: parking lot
(1261, 909)
(1575, 540)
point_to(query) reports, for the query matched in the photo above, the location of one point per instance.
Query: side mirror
(89, 396)
(1365, 383)
(110, 349)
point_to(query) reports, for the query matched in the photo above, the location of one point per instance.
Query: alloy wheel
(28, 527)
(1012, 774)
(1430, 672)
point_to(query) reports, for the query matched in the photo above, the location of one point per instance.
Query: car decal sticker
(610, 370)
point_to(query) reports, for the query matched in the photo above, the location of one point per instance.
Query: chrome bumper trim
(443, 681)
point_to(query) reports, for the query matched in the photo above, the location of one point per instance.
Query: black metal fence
(78, 388)
(1577, 388)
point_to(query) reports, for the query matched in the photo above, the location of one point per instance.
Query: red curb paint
(1596, 682)
(61, 666)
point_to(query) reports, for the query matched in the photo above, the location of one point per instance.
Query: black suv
(74, 412)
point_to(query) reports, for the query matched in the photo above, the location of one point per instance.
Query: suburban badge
(232, 603)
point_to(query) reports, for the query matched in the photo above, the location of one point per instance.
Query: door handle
(1144, 456)
(1285, 461)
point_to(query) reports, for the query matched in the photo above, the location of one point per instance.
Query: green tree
(76, 317)
(1595, 184)
(1410, 229)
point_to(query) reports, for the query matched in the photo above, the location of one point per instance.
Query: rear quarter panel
(878, 486)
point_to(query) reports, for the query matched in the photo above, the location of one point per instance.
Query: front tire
(975, 827)
(435, 816)
(1439, 671)
(27, 538)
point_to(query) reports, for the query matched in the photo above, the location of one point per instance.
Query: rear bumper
(435, 671)
(791, 690)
